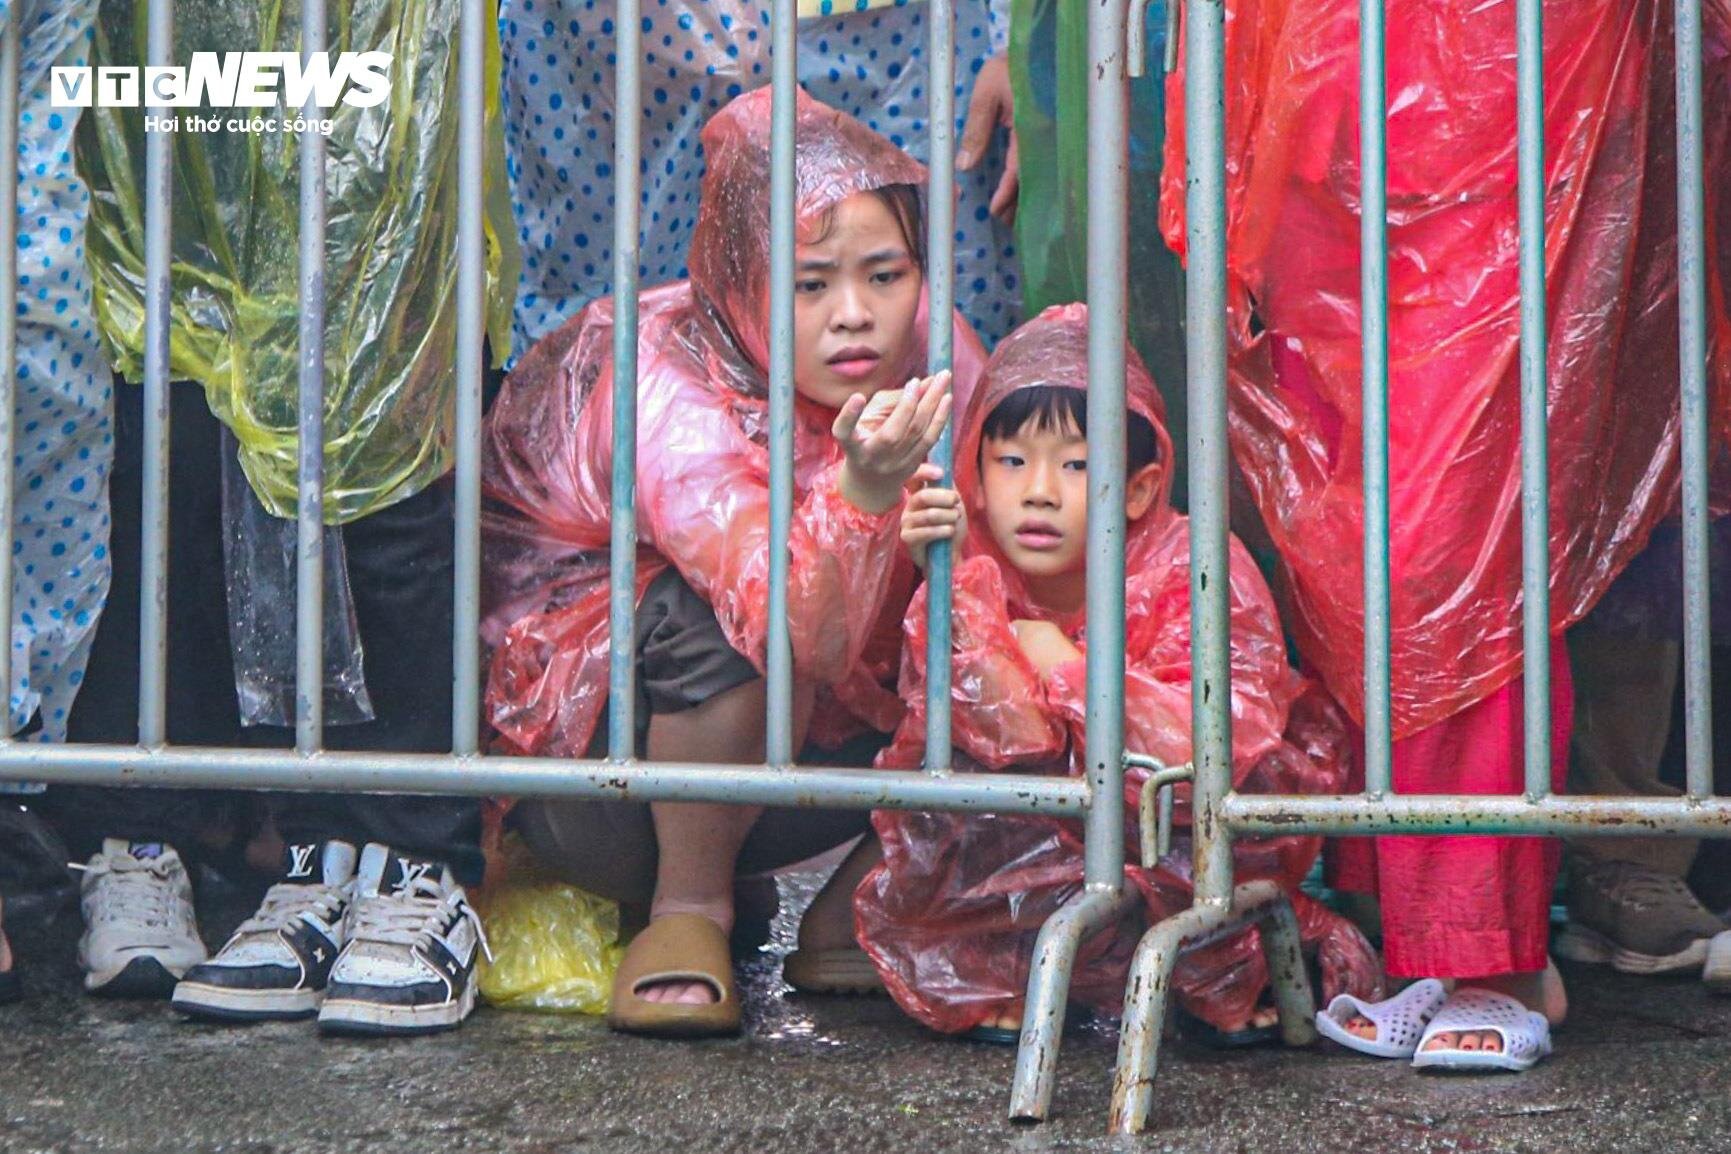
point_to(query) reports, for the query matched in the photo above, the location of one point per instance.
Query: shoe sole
(138, 978)
(1577, 943)
(842, 972)
(353, 1017)
(222, 1004)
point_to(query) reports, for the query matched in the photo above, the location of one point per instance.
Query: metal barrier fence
(1098, 796)
(1220, 813)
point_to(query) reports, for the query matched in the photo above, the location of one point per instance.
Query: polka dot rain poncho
(868, 62)
(62, 390)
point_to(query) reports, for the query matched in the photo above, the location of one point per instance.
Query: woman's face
(856, 294)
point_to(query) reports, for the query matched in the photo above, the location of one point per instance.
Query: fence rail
(1219, 813)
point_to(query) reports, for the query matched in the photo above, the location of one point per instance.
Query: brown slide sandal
(676, 948)
(843, 971)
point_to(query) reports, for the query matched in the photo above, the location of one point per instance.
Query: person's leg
(698, 844)
(1623, 692)
(1629, 901)
(141, 932)
(699, 701)
(1475, 910)
(200, 689)
(400, 563)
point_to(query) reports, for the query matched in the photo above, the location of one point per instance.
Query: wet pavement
(1644, 1065)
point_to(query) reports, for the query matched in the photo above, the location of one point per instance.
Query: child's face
(856, 293)
(1035, 489)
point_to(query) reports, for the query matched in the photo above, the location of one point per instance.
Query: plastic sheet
(950, 917)
(702, 464)
(555, 947)
(1049, 71)
(390, 248)
(259, 560)
(1454, 431)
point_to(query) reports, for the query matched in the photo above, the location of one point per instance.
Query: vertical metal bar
(11, 104)
(1535, 479)
(1108, 245)
(1205, 308)
(778, 746)
(940, 341)
(1373, 280)
(1692, 286)
(471, 302)
(153, 578)
(310, 535)
(622, 624)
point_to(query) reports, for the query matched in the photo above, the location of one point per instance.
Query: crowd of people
(367, 925)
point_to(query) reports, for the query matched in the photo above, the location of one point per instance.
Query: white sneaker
(409, 965)
(278, 961)
(140, 932)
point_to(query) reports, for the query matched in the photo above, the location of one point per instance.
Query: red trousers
(1465, 907)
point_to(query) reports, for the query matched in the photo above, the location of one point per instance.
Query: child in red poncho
(950, 917)
(702, 500)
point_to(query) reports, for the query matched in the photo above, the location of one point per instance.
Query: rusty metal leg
(1145, 1011)
(1286, 974)
(1151, 981)
(1048, 993)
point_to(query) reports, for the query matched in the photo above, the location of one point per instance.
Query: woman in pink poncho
(950, 916)
(703, 524)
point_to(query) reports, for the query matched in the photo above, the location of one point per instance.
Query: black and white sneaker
(409, 965)
(277, 963)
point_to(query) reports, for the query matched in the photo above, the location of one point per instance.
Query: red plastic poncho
(702, 464)
(951, 915)
(1454, 314)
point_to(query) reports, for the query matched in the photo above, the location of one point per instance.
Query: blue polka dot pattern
(63, 398)
(697, 55)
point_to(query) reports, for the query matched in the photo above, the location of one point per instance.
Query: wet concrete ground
(1644, 1065)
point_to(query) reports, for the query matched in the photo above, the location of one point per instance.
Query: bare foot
(1262, 1019)
(1542, 991)
(687, 993)
(5, 946)
(1009, 1019)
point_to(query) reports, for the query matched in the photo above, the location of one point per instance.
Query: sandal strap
(1398, 1020)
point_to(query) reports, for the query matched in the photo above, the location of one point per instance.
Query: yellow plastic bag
(555, 947)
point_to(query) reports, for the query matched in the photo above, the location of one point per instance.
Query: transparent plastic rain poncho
(390, 247)
(702, 464)
(1292, 146)
(950, 917)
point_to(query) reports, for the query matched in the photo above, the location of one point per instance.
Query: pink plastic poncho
(951, 915)
(702, 464)
(1454, 314)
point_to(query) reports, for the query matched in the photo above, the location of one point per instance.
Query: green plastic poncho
(390, 243)
(1049, 77)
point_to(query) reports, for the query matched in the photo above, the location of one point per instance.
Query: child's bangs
(1060, 409)
(1039, 409)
